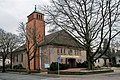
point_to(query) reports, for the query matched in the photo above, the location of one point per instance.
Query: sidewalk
(45, 74)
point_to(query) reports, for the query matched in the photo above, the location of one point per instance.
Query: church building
(58, 44)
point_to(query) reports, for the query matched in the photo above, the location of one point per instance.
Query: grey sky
(14, 11)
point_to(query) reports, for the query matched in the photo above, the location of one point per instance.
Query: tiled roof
(61, 38)
(35, 11)
(21, 48)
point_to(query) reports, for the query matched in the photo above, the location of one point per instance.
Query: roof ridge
(57, 33)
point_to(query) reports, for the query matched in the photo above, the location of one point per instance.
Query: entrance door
(71, 63)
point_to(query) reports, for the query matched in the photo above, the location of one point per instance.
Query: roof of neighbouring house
(103, 56)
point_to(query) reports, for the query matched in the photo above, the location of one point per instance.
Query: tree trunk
(28, 70)
(89, 59)
(11, 60)
(3, 69)
(90, 64)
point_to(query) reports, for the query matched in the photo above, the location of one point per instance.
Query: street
(105, 76)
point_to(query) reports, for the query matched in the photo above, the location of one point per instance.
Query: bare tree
(89, 21)
(15, 42)
(8, 43)
(30, 39)
(3, 47)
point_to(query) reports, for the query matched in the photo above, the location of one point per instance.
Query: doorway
(72, 63)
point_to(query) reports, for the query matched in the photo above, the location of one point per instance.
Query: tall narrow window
(17, 57)
(64, 50)
(57, 50)
(70, 52)
(75, 52)
(80, 52)
(41, 17)
(21, 57)
(37, 16)
(61, 50)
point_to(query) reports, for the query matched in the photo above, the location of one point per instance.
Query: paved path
(38, 76)
(105, 76)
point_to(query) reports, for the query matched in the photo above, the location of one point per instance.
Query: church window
(21, 57)
(61, 50)
(17, 58)
(70, 52)
(57, 50)
(64, 50)
(75, 52)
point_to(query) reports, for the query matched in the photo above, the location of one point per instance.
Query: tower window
(41, 17)
(37, 16)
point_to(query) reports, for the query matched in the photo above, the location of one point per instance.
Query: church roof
(61, 38)
(21, 48)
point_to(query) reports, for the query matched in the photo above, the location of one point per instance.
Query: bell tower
(36, 31)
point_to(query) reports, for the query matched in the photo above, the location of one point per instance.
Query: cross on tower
(35, 7)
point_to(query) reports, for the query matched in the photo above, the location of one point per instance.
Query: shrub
(15, 67)
(54, 66)
(97, 67)
(7, 66)
(79, 65)
(64, 66)
(83, 65)
(117, 65)
(18, 66)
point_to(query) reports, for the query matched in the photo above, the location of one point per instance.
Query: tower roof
(35, 11)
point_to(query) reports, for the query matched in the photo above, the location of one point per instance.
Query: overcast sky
(12, 12)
